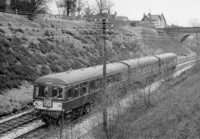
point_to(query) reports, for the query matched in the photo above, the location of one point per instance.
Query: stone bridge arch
(182, 32)
(184, 37)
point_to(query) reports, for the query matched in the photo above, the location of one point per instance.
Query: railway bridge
(182, 32)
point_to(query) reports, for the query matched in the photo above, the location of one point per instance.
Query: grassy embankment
(29, 49)
(174, 111)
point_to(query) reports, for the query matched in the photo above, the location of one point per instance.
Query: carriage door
(48, 90)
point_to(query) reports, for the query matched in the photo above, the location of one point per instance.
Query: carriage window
(109, 80)
(84, 87)
(92, 86)
(97, 86)
(57, 92)
(101, 82)
(41, 91)
(73, 92)
(118, 77)
(76, 90)
(70, 93)
(54, 91)
(114, 78)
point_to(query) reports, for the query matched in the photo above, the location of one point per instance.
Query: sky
(178, 12)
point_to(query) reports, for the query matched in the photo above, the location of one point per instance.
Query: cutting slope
(30, 49)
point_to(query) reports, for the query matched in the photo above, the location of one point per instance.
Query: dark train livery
(72, 92)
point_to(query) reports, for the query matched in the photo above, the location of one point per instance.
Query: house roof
(122, 18)
(154, 17)
(151, 17)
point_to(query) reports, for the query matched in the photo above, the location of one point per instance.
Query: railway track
(182, 60)
(185, 64)
(13, 123)
(9, 126)
(181, 64)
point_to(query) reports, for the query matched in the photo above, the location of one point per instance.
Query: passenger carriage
(69, 90)
(72, 92)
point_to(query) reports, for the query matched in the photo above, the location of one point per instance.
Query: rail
(182, 60)
(16, 122)
(15, 116)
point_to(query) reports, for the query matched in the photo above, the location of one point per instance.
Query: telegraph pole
(105, 113)
(107, 28)
(104, 55)
(197, 48)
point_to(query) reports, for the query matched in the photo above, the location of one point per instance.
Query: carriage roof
(80, 75)
(134, 63)
(167, 56)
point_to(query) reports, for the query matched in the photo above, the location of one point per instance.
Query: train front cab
(48, 100)
(51, 100)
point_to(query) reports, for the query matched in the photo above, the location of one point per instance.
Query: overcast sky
(175, 11)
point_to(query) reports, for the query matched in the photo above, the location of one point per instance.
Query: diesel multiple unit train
(72, 92)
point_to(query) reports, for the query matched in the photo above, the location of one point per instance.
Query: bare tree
(2, 5)
(30, 7)
(79, 7)
(194, 22)
(103, 5)
(59, 4)
(88, 10)
(69, 6)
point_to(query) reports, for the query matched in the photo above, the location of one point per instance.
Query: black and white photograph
(99, 69)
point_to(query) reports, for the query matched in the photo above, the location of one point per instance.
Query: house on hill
(154, 21)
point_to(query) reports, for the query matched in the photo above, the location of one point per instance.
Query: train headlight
(35, 103)
(60, 105)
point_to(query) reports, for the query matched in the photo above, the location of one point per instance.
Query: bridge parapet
(180, 29)
(180, 32)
